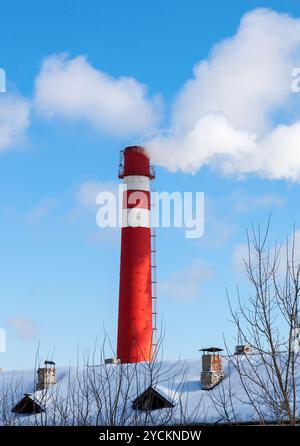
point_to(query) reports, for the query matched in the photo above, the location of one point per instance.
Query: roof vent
(243, 350)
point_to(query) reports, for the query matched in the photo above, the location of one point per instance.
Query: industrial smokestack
(135, 297)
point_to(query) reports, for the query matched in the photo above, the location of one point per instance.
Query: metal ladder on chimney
(154, 283)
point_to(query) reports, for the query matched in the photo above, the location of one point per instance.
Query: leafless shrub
(96, 393)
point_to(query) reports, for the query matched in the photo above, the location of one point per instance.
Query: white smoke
(227, 115)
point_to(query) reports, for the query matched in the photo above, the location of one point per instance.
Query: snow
(103, 394)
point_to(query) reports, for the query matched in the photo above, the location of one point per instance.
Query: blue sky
(58, 270)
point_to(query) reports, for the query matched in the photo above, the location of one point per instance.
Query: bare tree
(267, 322)
(96, 393)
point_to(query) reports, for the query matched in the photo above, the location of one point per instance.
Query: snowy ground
(103, 395)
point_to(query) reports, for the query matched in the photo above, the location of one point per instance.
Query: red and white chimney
(135, 296)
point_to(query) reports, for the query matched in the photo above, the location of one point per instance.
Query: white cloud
(219, 226)
(37, 213)
(74, 89)
(241, 253)
(22, 326)
(87, 192)
(225, 116)
(85, 196)
(186, 284)
(249, 203)
(14, 119)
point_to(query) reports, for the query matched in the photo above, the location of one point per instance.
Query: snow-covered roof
(104, 394)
